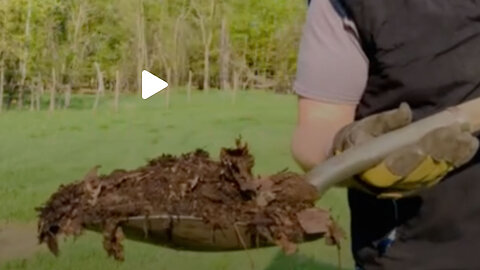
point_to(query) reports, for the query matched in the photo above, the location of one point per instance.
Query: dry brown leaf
(265, 184)
(314, 220)
(335, 234)
(92, 174)
(193, 182)
(264, 198)
(92, 186)
(52, 244)
(287, 246)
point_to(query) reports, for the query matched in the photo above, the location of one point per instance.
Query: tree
(205, 15)
(3, 14)
(224, 55)
(141, 43)
(2, 77)
(200, 41)
(24, 60)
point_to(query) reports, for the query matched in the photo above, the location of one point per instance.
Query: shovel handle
(362, 157)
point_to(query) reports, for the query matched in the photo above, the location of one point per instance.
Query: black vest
(426, 53)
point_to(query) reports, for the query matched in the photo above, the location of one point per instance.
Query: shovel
(191, 233)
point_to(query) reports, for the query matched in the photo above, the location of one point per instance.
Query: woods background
(57, 48)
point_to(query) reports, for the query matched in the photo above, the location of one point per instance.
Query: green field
(41, 150)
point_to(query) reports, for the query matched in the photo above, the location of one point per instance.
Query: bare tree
(24, 61)
(79, 16)
(53, 90)
(189, 86)
(68, 96)
(177, 46)
(235, 87)
(224, 55)
(117, 90)
(2, 49)
(41, 87)
(140, 43)
(100, 83)
(38, 92)
(2, 77)
(167, 95)
(100, 86)
(32, 97)
(205, 20)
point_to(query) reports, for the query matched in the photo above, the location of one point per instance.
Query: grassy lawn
(42, 150)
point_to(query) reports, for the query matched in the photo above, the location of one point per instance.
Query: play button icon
(151, 84)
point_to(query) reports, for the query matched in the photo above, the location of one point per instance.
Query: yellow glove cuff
(380, 176)
(427, 173)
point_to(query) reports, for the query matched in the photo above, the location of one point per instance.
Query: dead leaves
(335, 235)
(287, 246)
(319, 221)
(314, 220)
(221, 192)
(264, 198)
(112, 240)
(92, 186)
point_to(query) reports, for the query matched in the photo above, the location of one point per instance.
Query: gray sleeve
(331, 64)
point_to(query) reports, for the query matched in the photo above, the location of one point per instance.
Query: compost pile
(278, 208)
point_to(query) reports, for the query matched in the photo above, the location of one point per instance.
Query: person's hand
(413, 168)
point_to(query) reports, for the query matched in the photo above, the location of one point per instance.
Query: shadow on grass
(298, 262)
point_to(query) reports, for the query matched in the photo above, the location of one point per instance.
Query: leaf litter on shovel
(279, 208)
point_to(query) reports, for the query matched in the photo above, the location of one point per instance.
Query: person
(359, 60)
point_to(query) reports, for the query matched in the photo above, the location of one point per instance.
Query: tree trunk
(2, 82)
(189, 86)
(42, 87)
(23, 63)
(38, 94)
(53, 90)
(224, 55)
(205, 23)
(176, 61)
(206, 69)
(117, 90)
(255, 59)
(78, 19)
(167, 96)
(68, 96)
(235, 87)
(97, 100)
(141, 46)
(100, 84)
(32, 97)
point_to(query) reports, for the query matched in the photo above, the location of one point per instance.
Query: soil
(17, 241)
(279, 208)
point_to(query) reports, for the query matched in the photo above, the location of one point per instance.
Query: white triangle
(151, 84)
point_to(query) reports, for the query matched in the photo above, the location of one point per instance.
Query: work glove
(406, 171)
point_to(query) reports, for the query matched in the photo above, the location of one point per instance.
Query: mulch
(278, 208)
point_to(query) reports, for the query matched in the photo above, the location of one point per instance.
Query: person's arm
(331, 77)
(317, 124)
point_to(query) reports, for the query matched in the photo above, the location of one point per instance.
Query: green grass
(41, 150)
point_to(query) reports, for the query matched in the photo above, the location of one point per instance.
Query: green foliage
(69, 36)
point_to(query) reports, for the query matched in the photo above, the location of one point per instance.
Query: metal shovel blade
(192, 233)
(188, 233)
